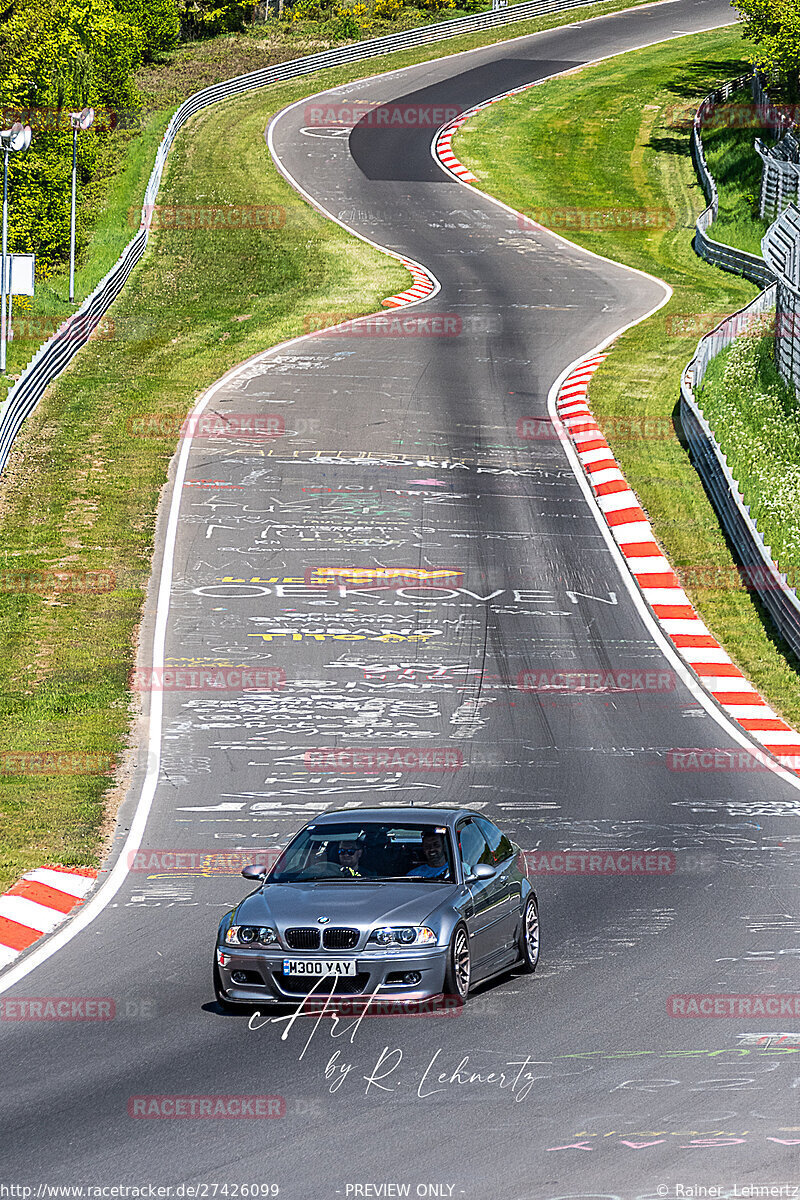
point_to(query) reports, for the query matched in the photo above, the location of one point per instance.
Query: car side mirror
(253, 872)
(482, 871)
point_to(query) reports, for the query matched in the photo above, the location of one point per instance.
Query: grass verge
(625, 155)
(736, 169)
(80, 494)
(756, 414)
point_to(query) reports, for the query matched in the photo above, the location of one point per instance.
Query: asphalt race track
(404, 452)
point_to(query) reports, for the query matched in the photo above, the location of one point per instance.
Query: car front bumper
(375, 973)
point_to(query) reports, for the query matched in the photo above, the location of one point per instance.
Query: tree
(774, 26)
(158, 21)
(56, 56)
(205, 18)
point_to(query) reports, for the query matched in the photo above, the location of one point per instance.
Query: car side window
(499, 845)
(473, 847)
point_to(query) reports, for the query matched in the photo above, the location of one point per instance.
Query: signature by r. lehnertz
(391, 1070)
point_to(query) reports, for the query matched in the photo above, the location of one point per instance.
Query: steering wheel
(324, 870)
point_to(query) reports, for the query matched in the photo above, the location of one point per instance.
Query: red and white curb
(658, 582)
(442, 148)
(39, 902)
(424, 285)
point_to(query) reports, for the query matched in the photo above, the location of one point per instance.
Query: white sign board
(22, 268)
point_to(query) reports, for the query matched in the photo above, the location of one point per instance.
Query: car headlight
(403, 935)
(251, 935)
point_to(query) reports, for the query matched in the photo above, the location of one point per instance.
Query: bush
(158, 21)
(203, 18)
(349, 23)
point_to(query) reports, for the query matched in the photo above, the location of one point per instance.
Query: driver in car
(349, 857)
(436, 865)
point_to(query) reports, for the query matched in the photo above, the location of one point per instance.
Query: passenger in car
(436, 863)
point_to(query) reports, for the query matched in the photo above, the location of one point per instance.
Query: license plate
(319, 966)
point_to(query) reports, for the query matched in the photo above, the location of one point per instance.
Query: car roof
(428, 816)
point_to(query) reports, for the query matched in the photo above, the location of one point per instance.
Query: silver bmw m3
(399, 904)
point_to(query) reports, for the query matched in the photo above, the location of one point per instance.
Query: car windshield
(372, 851)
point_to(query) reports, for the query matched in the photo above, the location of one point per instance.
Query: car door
(490, 915)
(504, 858)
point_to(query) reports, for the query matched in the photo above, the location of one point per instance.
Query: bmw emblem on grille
(323, 920)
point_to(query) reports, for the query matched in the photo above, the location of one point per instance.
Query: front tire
(529, 937)
(458, 975)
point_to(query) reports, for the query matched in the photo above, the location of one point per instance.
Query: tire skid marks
(37, 903)
(657, 580)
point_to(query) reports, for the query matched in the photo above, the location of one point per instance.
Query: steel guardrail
(728, 258)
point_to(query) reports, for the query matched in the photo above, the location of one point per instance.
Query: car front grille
(302, 939)
(340, 939)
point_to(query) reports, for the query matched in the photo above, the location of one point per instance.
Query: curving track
(404, 452)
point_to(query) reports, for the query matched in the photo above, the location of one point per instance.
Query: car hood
(362, 904)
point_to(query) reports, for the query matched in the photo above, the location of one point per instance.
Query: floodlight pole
(5, 283)
(72, 211)
(18, 137)
(80, 120)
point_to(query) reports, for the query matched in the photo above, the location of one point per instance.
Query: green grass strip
(736, 169)
(759, 430)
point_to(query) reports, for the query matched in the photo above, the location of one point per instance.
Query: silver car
(399, 904)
